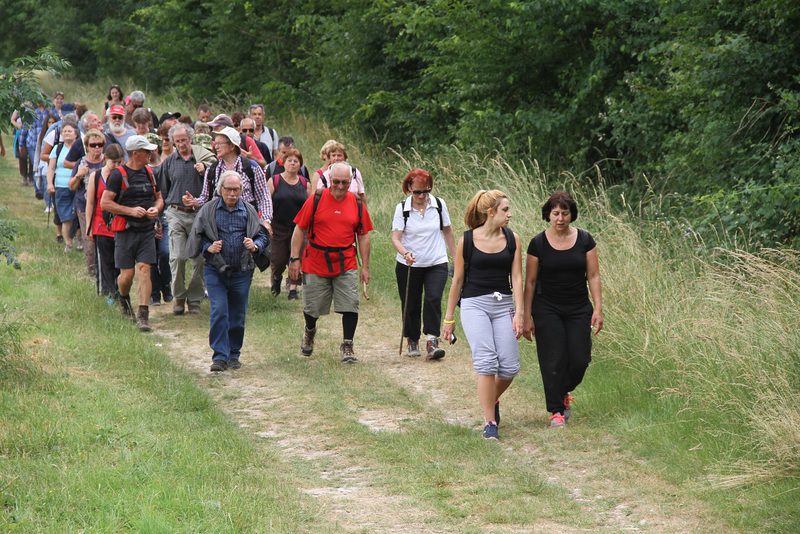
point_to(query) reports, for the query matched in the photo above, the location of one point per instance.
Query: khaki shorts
(319, 290)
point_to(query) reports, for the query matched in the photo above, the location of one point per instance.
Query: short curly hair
(563, 200)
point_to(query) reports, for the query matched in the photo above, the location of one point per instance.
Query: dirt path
(622, 493)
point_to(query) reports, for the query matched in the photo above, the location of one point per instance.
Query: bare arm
(298, 237)
(516, 288)
(51, 176)
(455, 291)
(531, 273)
(450, 240)
(595, 288)
(44, 155)
(363, 249)
(408, 256)
(90, 201)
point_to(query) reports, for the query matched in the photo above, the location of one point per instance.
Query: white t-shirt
(422, 235)
(356, 183)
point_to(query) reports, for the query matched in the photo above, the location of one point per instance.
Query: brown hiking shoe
(307, 344)
(346, 350)
(125, 306)
(142, 319)
(179, 307)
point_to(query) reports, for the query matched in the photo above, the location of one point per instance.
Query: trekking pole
(405, 307)
(52, 203)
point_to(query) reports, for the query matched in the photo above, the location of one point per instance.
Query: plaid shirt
(260, 195)
(33, 132)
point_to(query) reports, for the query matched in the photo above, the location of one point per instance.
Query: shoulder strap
(406, 212)
(275, 181)
(512, 243)
(469, 245)
(59, 148)
(439, 209)
(317, 196)
(248, 170)
(124, 174)
(360, 213)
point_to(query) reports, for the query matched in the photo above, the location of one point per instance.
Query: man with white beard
(116, 130)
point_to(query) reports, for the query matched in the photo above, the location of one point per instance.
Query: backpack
(406, 212)
(275, 181)
(328, 250)
(120, 223)
(469, 246)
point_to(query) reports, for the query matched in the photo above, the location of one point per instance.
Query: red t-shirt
(335, 225)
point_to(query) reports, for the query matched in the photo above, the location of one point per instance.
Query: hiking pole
(52, 202)
(405, 307)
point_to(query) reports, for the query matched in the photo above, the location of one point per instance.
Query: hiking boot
(125, 306)
(490, 431)
(39, 195)
(497, 411)
(434, 351)
(413, 349)
(307, 344)
(142, 319)
(179, 307)
(219, 365)
(346, 350)
(194, 309)
(557, 421)
(167, 294)
(59, 238)
(567, 411)
(234, 364)
(154, 302)
(293, 295)
(276, 286)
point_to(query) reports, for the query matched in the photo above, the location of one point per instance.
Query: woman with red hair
(422, 235)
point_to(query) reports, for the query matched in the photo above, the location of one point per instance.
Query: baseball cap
(117, 110)
(67, 107)
(169, 115)
(232, 135)
(221, 120)
(139, 142)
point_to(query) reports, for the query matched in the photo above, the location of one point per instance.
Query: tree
(18, 84)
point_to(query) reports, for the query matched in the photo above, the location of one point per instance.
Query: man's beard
(117, 127)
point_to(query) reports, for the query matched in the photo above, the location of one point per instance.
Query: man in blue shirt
(229, 234)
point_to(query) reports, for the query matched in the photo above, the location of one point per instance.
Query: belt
(328, 251)
(182, 208)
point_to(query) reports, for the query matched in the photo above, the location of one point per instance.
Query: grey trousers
(180, 225)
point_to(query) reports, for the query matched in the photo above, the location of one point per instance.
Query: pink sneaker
(567, 411)
(557, 421)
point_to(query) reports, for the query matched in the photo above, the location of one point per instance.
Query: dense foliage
(700, 97)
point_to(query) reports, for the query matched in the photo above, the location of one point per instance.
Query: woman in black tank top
(491, 308)
(561, 260)
(289, 192)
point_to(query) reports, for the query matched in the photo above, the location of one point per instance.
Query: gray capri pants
(487, 323)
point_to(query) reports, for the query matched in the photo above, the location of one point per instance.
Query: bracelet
(449, 322)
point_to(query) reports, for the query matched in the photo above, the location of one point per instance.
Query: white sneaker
(48, 209)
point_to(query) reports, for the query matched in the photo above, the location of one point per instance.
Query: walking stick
(405, 307)
(52, 205)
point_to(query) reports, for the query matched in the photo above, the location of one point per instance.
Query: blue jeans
(227, 294)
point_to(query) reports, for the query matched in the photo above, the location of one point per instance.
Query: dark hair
(236, 118)
(286, 140)
(203, 107)
(413, 174)
(118, 88)
(562, 200)
(293, 152)
(43, 133)
(185, 119)
(114, 151)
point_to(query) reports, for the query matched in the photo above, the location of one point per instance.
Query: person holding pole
(422, 235)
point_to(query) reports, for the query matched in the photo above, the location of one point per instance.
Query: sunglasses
(96, 145)
(420, 193)
(340, 182)
(245, 130)
(117, 117)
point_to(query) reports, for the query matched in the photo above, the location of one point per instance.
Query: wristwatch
(292, 260)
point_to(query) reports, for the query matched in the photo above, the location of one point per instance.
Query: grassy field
(691, 400)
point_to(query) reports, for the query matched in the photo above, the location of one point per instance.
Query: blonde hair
(479, 206)
(93, 133)
(332, 146)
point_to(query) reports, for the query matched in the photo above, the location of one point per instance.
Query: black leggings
(349, 324)
(564, 347)
(431, 280)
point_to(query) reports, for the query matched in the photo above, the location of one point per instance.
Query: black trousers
(431, 281)
(106, 272)
(564, 346)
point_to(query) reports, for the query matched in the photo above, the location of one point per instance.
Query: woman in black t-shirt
(561, 260)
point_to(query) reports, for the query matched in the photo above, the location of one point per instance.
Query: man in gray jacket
(228, 233)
